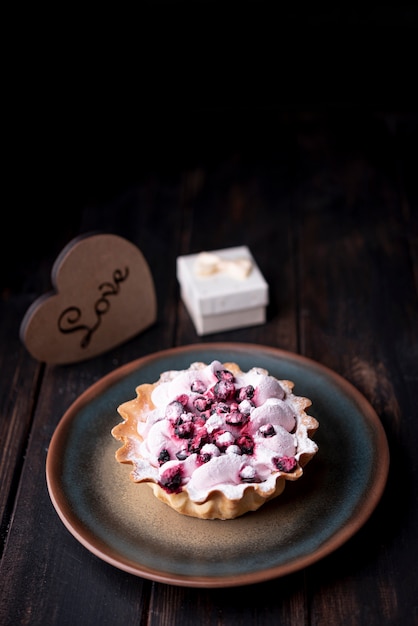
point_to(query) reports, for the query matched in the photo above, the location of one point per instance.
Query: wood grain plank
(356, 285)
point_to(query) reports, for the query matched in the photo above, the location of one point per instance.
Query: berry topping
(182, 454)
(198, 441)
(164, 456)
(225, 375)
(245, 393)
(224, 390)
(201, 403)
(184, 430)
(246, 444)
(171, 479)
(285, 463)
(198, 386)
(221, 407)
(203, 458)
(267, 430)
(235, 418)
(183, 399)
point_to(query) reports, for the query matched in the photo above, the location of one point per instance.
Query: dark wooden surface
(327, 201)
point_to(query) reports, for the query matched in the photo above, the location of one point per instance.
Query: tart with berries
(214, 442)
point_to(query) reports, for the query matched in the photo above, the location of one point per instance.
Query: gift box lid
(221, 281)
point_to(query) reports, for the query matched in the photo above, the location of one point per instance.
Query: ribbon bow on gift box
(208, 263)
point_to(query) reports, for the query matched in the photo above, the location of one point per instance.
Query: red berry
(171, 479)
(285, 463)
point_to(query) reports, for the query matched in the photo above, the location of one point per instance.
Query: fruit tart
(213, 441)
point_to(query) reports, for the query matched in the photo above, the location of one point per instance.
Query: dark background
(97, 101)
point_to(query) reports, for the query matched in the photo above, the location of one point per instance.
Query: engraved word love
(68, 321)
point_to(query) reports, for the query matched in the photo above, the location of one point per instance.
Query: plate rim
(101, 549)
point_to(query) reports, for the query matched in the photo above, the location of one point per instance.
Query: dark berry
(200, 419)
(164, 456)
(221, 407)
(171, 479)
(204, 415)
(204, 458)
(183, 399)
(235, 418)
(201, 403)
(245, 393)
(198, 386)
(198, 441)
(182, 454)
(184, 430)
(246, 444)
(225, 375)
(224, 389)
(210, 394)
(285, 463)
(267, 430)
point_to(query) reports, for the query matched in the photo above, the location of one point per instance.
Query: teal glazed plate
(124, 524)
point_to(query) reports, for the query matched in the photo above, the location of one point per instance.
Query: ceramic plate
(122, 523)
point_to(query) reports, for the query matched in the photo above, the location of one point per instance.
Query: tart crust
(216, 505)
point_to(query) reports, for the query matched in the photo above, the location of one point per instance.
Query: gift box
(222, 289)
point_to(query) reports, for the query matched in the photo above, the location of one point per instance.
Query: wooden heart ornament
(103, 295)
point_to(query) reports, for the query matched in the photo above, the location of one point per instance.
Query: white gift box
(222, 289)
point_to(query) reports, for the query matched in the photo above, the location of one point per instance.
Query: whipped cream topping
(215, 429)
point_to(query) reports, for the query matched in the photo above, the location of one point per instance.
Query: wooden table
(327, 202)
